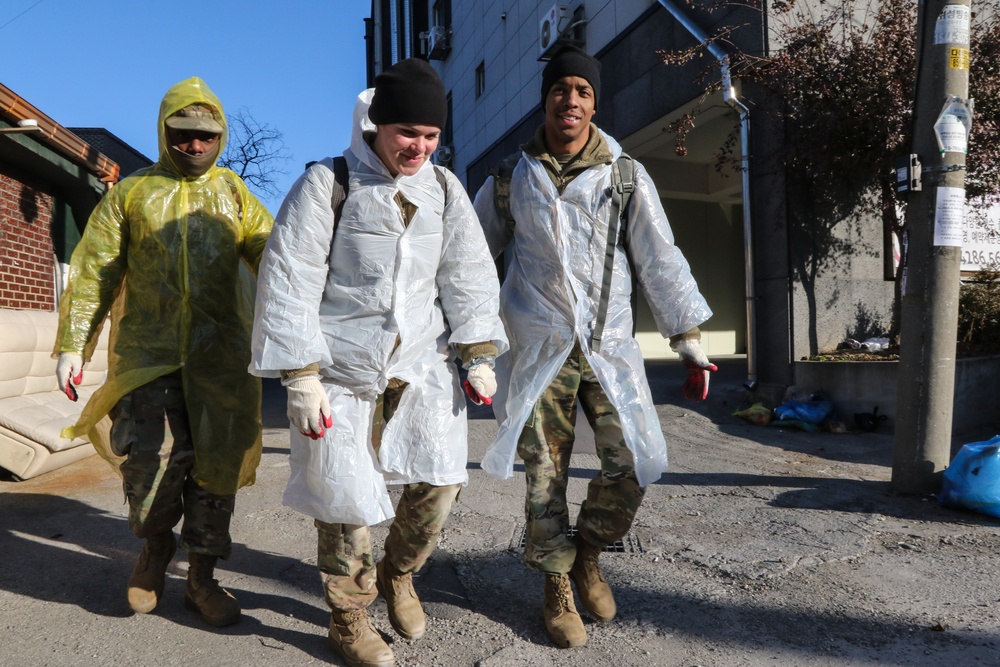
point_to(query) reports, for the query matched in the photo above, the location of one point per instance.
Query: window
(445, 155)
(442, 13)
(448, 133)
(403, 22)
(480, 79)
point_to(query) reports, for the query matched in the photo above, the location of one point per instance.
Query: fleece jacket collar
(596, 152)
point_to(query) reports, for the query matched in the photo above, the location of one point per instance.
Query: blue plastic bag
(812, 412)
(972, 479)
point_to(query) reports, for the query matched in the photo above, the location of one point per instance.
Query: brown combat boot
(564, 625)
(216, 605)
(145, 586)
(405, 613)
(356, 640)
(595, 594)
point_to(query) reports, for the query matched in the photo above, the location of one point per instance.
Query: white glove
(690, 349)
(69, 367)
(308, 406)
(483, 382)
(698, 366)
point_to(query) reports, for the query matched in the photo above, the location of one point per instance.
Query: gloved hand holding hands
(698, 367)
(69, 367)
(308, 406)
(481, 384)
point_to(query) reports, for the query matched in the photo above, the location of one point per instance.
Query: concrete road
(760, 547)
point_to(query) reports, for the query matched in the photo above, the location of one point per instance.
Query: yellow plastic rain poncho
(163, 252)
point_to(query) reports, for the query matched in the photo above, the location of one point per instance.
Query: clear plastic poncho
(550, 297)
(344, 299)
(169, 256)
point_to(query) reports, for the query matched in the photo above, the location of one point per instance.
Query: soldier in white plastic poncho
(363, 303)
(163, 252)
(559, 199)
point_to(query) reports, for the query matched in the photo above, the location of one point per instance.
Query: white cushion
(32, 408)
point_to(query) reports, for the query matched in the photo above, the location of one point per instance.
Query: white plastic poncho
(550, 297)
(432, 284)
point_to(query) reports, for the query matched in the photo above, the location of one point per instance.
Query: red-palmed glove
(308, 406)
(698, 367)
(481, 384)
(69, 367)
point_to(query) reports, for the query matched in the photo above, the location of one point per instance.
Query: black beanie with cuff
(572, 61)
(409, 92)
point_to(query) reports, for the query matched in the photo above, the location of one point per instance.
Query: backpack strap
(502, 175)
(442, 181)
(341, 176)
(626, 168)
(622, 186)
(339, 196)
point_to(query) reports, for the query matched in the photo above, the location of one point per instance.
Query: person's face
(192, 142)
(569, 108)
(403, 148)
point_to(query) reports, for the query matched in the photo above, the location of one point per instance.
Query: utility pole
(933, 238)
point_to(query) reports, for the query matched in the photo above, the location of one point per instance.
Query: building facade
(776, 296)
(51, 178)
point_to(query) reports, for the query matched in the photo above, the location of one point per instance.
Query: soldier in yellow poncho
(166, 256)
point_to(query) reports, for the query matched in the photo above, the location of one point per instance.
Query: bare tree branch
(256, 152)
(840, 79)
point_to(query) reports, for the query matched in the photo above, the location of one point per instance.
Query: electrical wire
(21, 14)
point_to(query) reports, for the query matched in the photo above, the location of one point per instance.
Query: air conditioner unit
(551, 26)
(438, 44)
(444, 154)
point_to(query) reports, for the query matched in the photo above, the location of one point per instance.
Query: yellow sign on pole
(958, 59)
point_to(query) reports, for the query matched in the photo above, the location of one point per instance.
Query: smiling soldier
(578, 210)
(376, 278)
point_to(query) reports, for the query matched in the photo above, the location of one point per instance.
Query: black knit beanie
(572, 61)
(409, 92)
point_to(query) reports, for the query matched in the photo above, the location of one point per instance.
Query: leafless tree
(256, 152)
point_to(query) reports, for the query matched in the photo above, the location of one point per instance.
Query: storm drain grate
(627, 545)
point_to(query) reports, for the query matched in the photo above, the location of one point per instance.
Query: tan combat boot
(216, 605)
(564, 625)
(405, 613)
(356, 640)
(595, 594)
(145, 586)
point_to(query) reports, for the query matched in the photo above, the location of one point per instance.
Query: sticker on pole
(959, 59)
(952, 26)
(952, 127)
(949, 217)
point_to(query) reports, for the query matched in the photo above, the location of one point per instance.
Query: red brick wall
(26, 253)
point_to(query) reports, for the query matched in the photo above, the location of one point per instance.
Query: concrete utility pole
(933, 246)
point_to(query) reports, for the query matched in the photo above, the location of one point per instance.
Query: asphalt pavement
(761, 546)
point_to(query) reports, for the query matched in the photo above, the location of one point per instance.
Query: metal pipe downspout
(729, 96)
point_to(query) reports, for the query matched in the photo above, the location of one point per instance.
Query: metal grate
(627, 545)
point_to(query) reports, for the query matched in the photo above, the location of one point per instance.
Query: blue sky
(297, 65)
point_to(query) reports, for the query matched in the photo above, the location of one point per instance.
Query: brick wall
(26, 252)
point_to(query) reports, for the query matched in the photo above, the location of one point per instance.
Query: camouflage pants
(345, 557)
(157, 474)
(545, 445)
